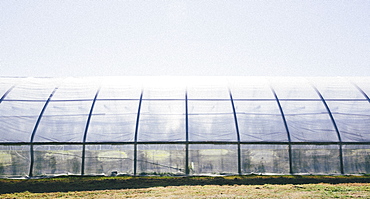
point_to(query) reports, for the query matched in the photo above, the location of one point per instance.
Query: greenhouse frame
(184, 125)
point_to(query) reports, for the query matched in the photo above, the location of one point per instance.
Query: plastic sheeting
(184, 125)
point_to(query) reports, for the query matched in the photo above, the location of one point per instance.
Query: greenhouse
(184, 126)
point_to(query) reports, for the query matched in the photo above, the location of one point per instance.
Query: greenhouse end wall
(184, 126)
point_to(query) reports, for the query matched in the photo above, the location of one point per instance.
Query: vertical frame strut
(30, 174)
(237, 133)
(85, 133)
(335, 127)
(187, 170)
(287, 131)
(137, 131)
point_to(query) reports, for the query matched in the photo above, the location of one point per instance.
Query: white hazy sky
(169, 37)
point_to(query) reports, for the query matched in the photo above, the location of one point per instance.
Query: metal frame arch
(329, 112)
(137, 131)
(362, 91)
(85, 132)
(6, 93)
(11, 88)
(237, 131)
(286, 128)
(335, 127)
(35, 130)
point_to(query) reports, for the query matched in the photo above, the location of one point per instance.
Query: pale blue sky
(163, 37)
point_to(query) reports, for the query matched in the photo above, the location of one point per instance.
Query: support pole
(136, 132)
(287, 131)
(237, 133)
(336, 130)
(85, 134)
(187, 170)
(32, 155)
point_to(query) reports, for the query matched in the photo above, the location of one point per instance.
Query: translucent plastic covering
(162, 121)
(362, 84)
(184, 125)
(265, 159)
(308, 121)
(7, 84)
(336, 88)
(161, 159)
(356, 158)
(260, 121)
(316, 159)
(211, 119)
(220, 159)
(352, 119)
(15, 160)
(55, 159)
(103, 159)
(32, 88)
(112, 121)
(63, 121)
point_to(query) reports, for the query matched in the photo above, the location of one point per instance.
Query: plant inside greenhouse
(184, 126)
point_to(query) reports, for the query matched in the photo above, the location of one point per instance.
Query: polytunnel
(184, 125)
